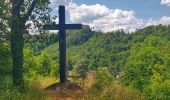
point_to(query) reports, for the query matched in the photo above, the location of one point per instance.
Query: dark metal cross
(62, 39)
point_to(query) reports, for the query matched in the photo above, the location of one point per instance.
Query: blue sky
(111, 15)
(143, 8)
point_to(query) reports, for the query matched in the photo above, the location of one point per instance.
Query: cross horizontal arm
(51, 27)
(73, 26)
(66, 26)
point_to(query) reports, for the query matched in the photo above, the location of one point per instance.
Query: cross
(62, 39)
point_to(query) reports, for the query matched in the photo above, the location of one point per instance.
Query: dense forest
(140, 59)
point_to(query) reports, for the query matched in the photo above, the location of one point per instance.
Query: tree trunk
(17, 30)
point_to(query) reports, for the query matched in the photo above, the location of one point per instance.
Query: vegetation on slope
(140, 59)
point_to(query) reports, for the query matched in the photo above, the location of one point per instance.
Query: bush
(112, 91)
(30, 67)
(106, 88)
(81, 68)
(158, 91)
(8, 92)
(38, 65)
(103, 78)
(148, 63)
(5, 58)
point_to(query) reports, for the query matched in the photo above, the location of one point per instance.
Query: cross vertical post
(62, 44)
(62, 26)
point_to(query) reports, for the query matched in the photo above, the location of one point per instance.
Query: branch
(17, 6)
(30, 10)
(20, 3)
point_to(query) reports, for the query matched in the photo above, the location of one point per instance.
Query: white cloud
(165, 2)
(60, 2)
(163, 20)
(102, 18)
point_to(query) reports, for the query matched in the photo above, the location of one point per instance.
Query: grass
(112, 91)
(46, 81)
(33, 90)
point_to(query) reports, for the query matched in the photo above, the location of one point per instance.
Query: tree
(29, 66)
(148, 63)
(4, 16)
(81, 68)
(5, 60)
(43, 63)
(22, 11)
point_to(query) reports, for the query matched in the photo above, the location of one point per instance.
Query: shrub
(103, 78)
(112, 91)
(81, 67)
(158, 91)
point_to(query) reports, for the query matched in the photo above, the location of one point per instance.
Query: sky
(112, 15)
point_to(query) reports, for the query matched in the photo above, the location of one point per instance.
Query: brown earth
(66, 91)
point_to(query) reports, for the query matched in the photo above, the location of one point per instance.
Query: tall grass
(32, 91)
(105, 87)
(112, 91)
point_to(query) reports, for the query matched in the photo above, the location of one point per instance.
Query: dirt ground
(67, 91)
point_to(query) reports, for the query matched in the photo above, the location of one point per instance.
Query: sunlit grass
(33, 89)
(113, 91)
(32, 92)
(46, 81)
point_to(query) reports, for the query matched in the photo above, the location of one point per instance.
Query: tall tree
(22, 11)
(4, 17)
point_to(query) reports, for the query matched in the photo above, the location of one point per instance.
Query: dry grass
(113, 91)
(34, 91)
(46, 81)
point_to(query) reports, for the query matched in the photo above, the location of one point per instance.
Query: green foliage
(44, 64)
(39, 42)
(103, 75)
(81, 67)
(38, 65)
(30, 66)
(141, 59)
(74, 37)
(103, 78)
(112, 91)
(158, 91)
(8, 92)
(5, 8)
(78, 37)
(4, 53)
(110, 50)
(47, 66)
(54, 69)
(5, 58)
(148, 64)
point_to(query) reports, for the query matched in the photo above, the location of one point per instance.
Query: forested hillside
(108, 49)
(74, 37)
(140, 59)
